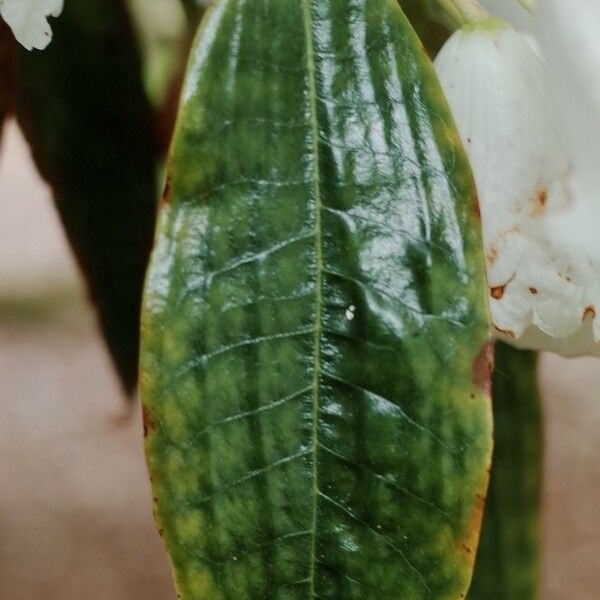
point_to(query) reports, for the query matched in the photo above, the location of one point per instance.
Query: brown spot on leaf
(476, 208)
(589, 312)
(166, 195)
(483, 365)
(533, 290)
(147, 420)
(473, 528)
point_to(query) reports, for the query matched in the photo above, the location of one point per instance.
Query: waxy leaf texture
(315, 357)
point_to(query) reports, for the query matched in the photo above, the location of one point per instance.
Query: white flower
(521, 18)
(28, 20)
(541, 226)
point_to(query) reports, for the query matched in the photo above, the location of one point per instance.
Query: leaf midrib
(312, 86)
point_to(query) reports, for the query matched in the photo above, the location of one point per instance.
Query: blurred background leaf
(5, 72)
(194, 11)
(84, 110)
(507, 566)
(166, 29)
(162, 28)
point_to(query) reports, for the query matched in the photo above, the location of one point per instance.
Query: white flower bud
(544, 288)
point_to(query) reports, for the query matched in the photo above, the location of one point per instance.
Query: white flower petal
(28, 20)
(511, 11)
(570, 43)
(543, 290)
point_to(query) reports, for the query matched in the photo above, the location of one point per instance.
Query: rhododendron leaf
(82, 106)
(315, 356)
(507, 564)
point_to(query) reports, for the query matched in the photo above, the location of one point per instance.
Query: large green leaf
(3, 109)
(82, 106)
(507, 564)
(315, 364)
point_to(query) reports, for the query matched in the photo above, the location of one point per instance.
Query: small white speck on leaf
(351, 312)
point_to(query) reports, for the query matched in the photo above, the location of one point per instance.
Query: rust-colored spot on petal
(540, 202)
(507, 332)
(492, 255)
(589, 312)
(542, 197)
(147, 420)
(497, 292)
(483, 366)
(510, 231)
(533, 290)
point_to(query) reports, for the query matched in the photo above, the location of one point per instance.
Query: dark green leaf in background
(82, 106)
(507, 566)
(170, 105)
(6, 84)
(193, 12)
(315, 357)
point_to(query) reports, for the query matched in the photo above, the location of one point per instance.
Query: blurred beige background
(75, 505)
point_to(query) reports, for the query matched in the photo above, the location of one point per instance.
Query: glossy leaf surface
(507, 563)
(82, 106)
(315, 367)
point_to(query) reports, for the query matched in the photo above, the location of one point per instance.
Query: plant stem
(460, 12)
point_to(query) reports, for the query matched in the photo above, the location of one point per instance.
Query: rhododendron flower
(28, 20)
(524, 134)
